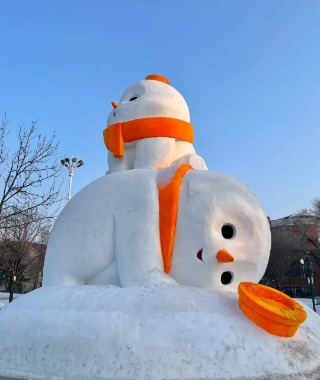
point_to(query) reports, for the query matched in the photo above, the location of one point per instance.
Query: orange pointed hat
(158, 77)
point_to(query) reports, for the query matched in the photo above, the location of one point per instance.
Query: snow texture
(4, 298)
(173, 332)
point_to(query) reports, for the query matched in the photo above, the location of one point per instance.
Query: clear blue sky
(249, 70)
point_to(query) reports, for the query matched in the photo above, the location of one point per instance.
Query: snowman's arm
(137, 250)
(197, 162)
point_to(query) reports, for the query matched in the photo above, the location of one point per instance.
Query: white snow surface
(4, 298)
(171, 332)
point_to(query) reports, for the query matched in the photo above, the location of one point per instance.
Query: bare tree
(315, 208)
(297, 236)
(280, 259)
(35, 270)
(28, 174)
(21, 258)
(29, 198)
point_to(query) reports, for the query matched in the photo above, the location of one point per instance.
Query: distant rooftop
(290, 220)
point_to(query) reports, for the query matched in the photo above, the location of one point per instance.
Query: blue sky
(249, 70)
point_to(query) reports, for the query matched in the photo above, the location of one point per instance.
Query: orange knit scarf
(117, 134)
(168, 211)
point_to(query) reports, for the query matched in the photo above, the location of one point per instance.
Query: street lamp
(72, 164)
(307, 260)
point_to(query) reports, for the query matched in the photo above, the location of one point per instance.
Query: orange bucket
(270, 309)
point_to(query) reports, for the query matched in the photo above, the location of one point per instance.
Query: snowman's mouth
(199, 255)
(226, 278)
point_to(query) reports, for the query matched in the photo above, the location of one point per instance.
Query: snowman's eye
(226, 278)
(228, 231)
(133, 98)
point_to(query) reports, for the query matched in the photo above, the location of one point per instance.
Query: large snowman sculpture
(151, 271)
(219, 237)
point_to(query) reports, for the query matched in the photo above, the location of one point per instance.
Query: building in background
(29, 273)
(294, 237)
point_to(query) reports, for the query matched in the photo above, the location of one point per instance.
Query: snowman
(142, 228)
(144, 267)
(149, 227)
(150, 128)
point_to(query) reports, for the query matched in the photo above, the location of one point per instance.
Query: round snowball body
(217, 213)
(150, 98)
(110, 231)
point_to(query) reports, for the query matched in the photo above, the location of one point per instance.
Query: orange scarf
(168, 211)
(117, 134)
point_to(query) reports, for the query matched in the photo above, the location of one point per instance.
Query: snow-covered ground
(4, 299)
(174, 332)
(308, 302)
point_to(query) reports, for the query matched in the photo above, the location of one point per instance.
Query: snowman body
(109, 233)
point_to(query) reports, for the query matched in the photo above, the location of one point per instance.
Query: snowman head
(150, 108)
(222, 235)
(152, 97)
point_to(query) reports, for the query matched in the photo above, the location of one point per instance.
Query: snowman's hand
(158, 278)
(154, 277)
(194, 160)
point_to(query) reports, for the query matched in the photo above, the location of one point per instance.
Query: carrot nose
(114, 104)
(223, 256)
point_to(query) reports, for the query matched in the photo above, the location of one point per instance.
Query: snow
(308, 302)
(172, 332)
(109, 233)
(4, 298)
(154, 99)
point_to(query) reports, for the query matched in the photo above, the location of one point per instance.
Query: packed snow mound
(173, 332)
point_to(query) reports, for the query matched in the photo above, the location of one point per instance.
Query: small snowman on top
(150, 128)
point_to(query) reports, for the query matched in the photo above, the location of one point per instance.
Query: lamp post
(72, 164)
(307, 260)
